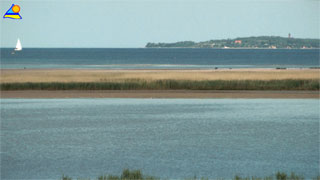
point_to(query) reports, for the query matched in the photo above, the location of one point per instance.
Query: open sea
(167, 138)
(158, 58)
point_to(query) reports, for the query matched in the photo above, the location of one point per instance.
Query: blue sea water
(168, 138)
(161, 58)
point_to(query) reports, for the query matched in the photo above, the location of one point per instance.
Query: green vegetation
(137, 175)
(128, 175)
(278, 176)
(66, 177)
(244, 42)
(137, 84)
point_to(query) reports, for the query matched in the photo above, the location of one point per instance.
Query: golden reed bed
(73, 75)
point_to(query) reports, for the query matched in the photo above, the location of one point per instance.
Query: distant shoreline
(158, 48)
(229, 48)
(264, 42)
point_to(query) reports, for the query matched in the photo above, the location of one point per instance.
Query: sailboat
(18, 46)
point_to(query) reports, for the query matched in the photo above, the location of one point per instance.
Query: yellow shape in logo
(13, 12)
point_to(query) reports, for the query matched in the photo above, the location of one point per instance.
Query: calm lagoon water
(168, 138)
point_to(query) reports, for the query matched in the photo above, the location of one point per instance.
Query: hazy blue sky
(133, 23)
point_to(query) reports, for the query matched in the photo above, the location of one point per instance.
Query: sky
(133, 23)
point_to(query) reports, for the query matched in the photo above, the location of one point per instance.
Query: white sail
(18, 46)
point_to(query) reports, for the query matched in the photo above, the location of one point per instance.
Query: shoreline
(159, 94)
(225, 48)
(144, 47)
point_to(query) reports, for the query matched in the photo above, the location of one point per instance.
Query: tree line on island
(271, 42)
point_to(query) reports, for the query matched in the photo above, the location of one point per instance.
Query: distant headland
(265, 42)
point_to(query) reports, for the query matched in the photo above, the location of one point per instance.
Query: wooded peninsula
(265, 42)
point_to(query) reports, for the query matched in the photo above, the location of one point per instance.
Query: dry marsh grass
(18, 76)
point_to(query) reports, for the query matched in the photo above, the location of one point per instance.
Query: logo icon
(13, 12)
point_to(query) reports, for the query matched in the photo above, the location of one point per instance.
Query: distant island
(271, 42)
